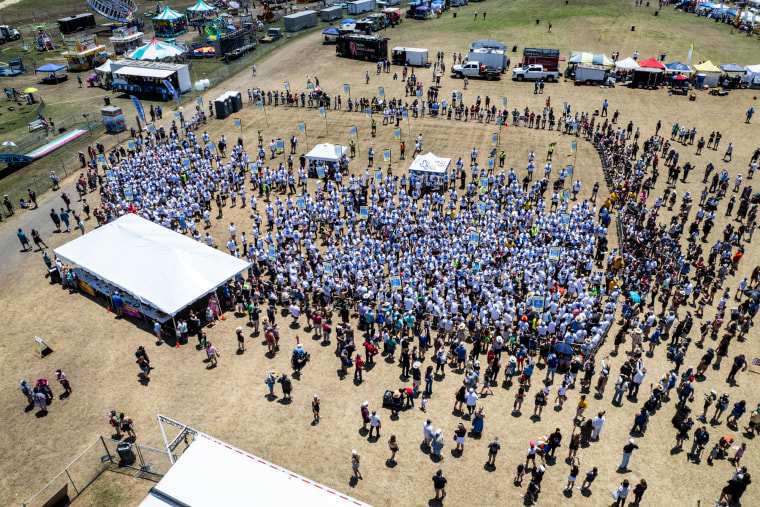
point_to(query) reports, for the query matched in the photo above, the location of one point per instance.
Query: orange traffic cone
(109, 309)
(223, 317)
(177, 343)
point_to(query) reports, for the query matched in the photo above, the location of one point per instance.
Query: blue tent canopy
(677, 67)
(347, 21)
(732, 67)
(331, 31)
(50, 67)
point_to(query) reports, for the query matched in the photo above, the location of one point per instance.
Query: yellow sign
(40, 346)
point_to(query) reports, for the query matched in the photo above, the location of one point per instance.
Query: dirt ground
(96, 350)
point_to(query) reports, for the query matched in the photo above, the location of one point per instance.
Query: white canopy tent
(429, 164)
(156, 266)
(211, 473)
(327, 152)
(627, 64)
(752, 75)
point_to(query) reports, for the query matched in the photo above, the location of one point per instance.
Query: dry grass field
(96, 350)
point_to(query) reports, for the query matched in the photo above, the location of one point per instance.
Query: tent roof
(652, 63)
(627, 64)
(331, 31)
(155, 50)
(106, 67)
(706, 67)
(678, 67)
(591, 58)
(143, 72)
(168, 14)
(487, 43)
(154, 264)
(326, 152)
(430, 164)
(211, 473)
(50, 67)
(201, 6)
(732, 67)
(755, 69)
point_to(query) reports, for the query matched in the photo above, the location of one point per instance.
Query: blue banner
(171, 89)
(139, 107)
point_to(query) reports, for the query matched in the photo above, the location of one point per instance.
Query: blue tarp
(346, 21)
(677, 67)
(331, 31)
(50, 67)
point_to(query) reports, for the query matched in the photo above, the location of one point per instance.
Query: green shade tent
(591, 58)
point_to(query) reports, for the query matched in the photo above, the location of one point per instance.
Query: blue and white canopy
(155, 50)
(678, 67)
(168, 15)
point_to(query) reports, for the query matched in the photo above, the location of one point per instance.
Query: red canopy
(681, 77)
(652, 64)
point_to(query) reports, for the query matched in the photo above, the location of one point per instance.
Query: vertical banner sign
(504, 102)
(139, 107)
(564, 107)
(484, 182)
(199, 101)
(395, 282)
(102, 158)
(353, 131)
(280, 145)
(404, 114)
(310, 86)
(176, 114)
(287, 85)
(328, 269)
(482, 208)
(491, 163)
(186, 163)
(320, 172)
(368, 111)
(260, 105)
(474, 238)
(574, 146)
(566, 194)
(210, 146)
(152, 129)
(498, 121)
(363, 213)
(338, 150)
(238, 124)
(386, 155)
(554, 253)
(272, 253)
(378, 176)
(322, 112)
(301, 202)
(538, 304)
(565, 218)
(459, 96)
(302, 127)
(170, 88)
(346, 89)
(688, 58)
(131, 145)
(397, 133)
(419, 94)
(494, 139)
(110, 176)
(570, 172)
(128, 193)
(380, 91)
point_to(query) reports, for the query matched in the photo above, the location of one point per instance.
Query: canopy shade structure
(326, 152)
(50, 67)
(331, 31)
(168, 15)
(347, 21)
(732, 67)
(155, 50)
(211, 473)
(429, 164)
(706, 67)
(143, 72)
(591, 58)
(105, 68)
(153, 264)
(678, 67)
(200, 7)
(627, 64)
(652, 63)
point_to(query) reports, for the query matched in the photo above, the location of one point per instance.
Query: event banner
(139, 107)
(131, 311)
(170, 87)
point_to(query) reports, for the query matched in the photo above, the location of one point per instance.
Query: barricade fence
(103, 454)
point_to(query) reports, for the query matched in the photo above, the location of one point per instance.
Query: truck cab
(8, 34)
(476, 69)
(534, 73)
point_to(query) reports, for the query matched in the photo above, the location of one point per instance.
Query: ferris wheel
(118, 10)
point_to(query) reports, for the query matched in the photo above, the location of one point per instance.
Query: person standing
(315, 409)
(621, 494)
(287, 387)
(64, 380)
(393, 446)
(597, 422)
(24, 240)
(374, 423)
(65, 219)
(638, 491)
(270, 381)
(56, 220)
(359, 367)
(365, 414)
(355, 462)
(40, 401)
(701, 438)
(740, 362)
(240, 339)
(627, 451)
(118, 304)
(144, 367)
(439, 483)
(574, 471)
(113, 420)
(493, 450)
(212, 354)
(38, 240)
(460, 435)
(127, 425)
(590, 478)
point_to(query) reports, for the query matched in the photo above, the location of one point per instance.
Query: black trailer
(646, 78)
(76, 23)
(371, 48)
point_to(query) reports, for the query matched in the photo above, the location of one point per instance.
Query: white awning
(326, 152)
(430, 164)
(155, 265)
(143, 72)
(211, 473)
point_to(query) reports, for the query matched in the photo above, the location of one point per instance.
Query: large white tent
(627, 64)
(429, 164)
(157, 269)
(326, 152)
(211, 473)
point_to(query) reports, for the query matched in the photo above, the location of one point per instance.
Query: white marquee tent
(211, 473)
(161, 270)
(627, 64)
(326, 152)
(429, 164)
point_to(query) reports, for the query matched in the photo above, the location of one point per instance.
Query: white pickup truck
(476, 69)
(534, 73)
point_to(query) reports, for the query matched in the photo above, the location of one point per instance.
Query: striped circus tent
(155, 50)
(591, 58)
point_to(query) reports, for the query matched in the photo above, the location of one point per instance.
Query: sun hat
(364, 404)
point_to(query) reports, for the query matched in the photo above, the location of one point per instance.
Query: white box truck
(361, 6)
(590, 75)
(489, 57)
(416, 57)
